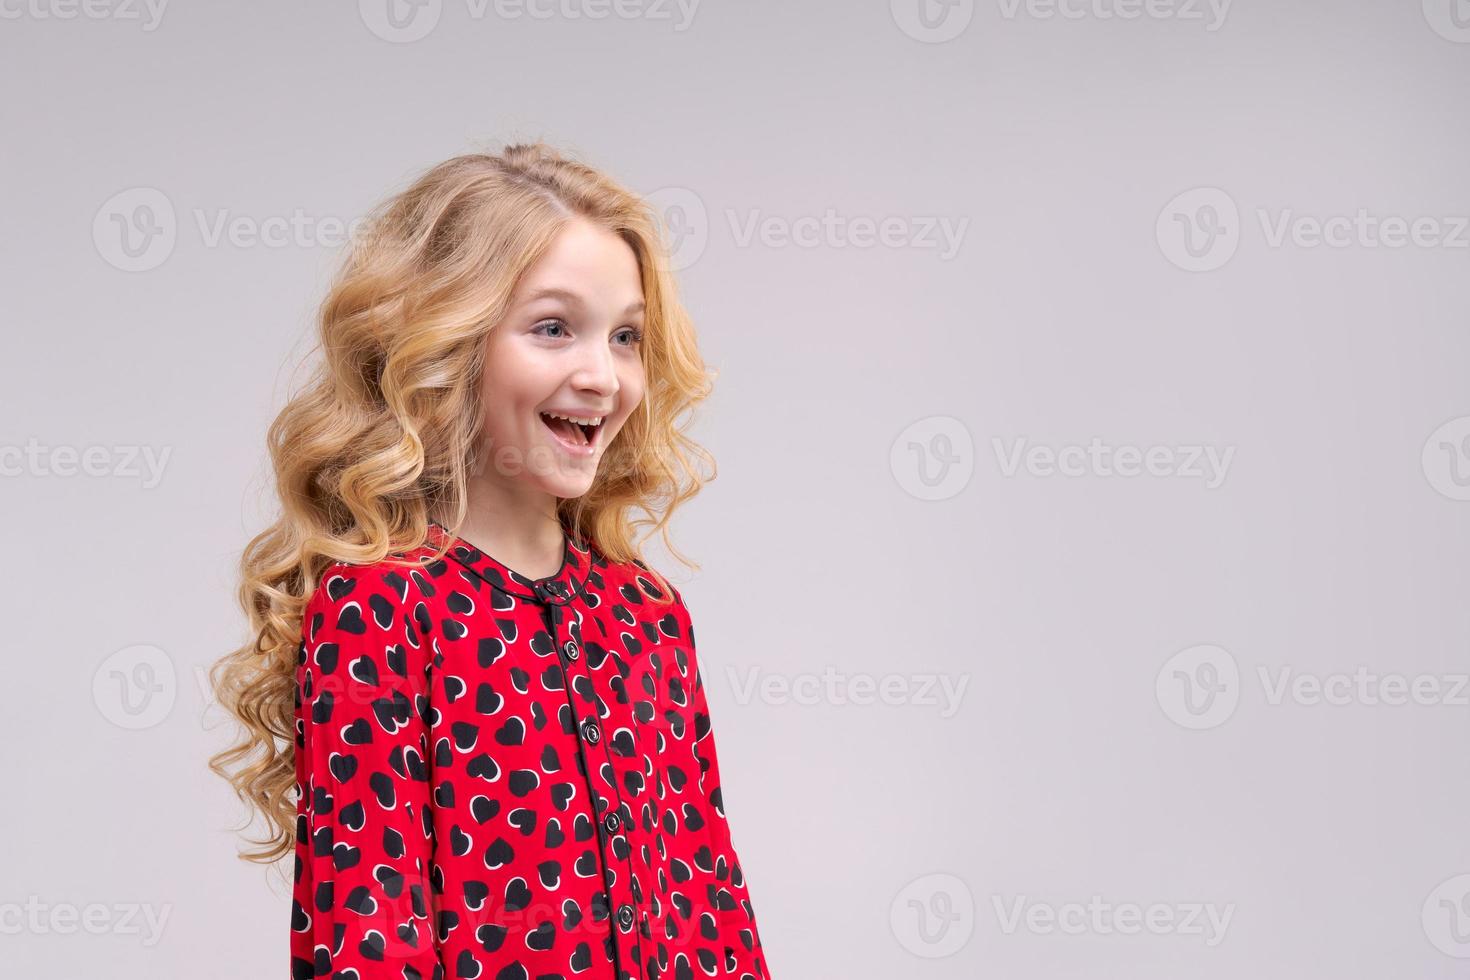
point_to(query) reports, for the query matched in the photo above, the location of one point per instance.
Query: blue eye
(632, 335)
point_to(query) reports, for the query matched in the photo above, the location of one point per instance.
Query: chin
(567, 487)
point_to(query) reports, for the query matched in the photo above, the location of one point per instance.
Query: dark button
(625, 916)
(555, 588)
(611, 821)
(570, 649)
(591, 732)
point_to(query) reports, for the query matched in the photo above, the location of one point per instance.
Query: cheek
(631, 405)
(509, 388)
(633, 384)
(497, 403)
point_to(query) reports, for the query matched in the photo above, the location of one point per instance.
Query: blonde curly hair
(383, 436)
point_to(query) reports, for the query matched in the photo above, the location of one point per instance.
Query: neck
(514, 525)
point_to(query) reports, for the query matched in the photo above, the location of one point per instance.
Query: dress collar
(558, 589)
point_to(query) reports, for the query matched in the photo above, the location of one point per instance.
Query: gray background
(1116, 642)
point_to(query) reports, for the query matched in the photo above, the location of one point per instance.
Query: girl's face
(570, 344)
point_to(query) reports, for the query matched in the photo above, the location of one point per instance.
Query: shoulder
(655, 588)
(365, 636)
(357, 599)
(661, 608)
(646, 601)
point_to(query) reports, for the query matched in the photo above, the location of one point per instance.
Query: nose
(596, 371)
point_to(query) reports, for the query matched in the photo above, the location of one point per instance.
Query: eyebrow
(571, 298)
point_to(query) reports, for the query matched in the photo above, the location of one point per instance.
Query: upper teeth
(573, 418)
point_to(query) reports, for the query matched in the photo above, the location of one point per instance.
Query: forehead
(585, 264)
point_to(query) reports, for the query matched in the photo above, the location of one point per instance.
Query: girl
(497, 759)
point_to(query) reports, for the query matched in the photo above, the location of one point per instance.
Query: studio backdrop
(1082, 590)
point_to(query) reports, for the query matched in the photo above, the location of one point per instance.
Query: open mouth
(577, 439)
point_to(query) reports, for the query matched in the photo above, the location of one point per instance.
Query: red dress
(509, 779)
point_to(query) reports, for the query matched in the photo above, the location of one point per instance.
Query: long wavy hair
(385, 433)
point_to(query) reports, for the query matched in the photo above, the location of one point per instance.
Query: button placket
(625, 913)
(555, 595)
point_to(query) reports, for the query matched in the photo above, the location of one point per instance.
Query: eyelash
(636, 332)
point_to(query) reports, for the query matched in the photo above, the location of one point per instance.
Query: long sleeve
(724, 880)
(362, 903)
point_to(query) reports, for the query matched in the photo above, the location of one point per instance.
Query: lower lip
(579, 450)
